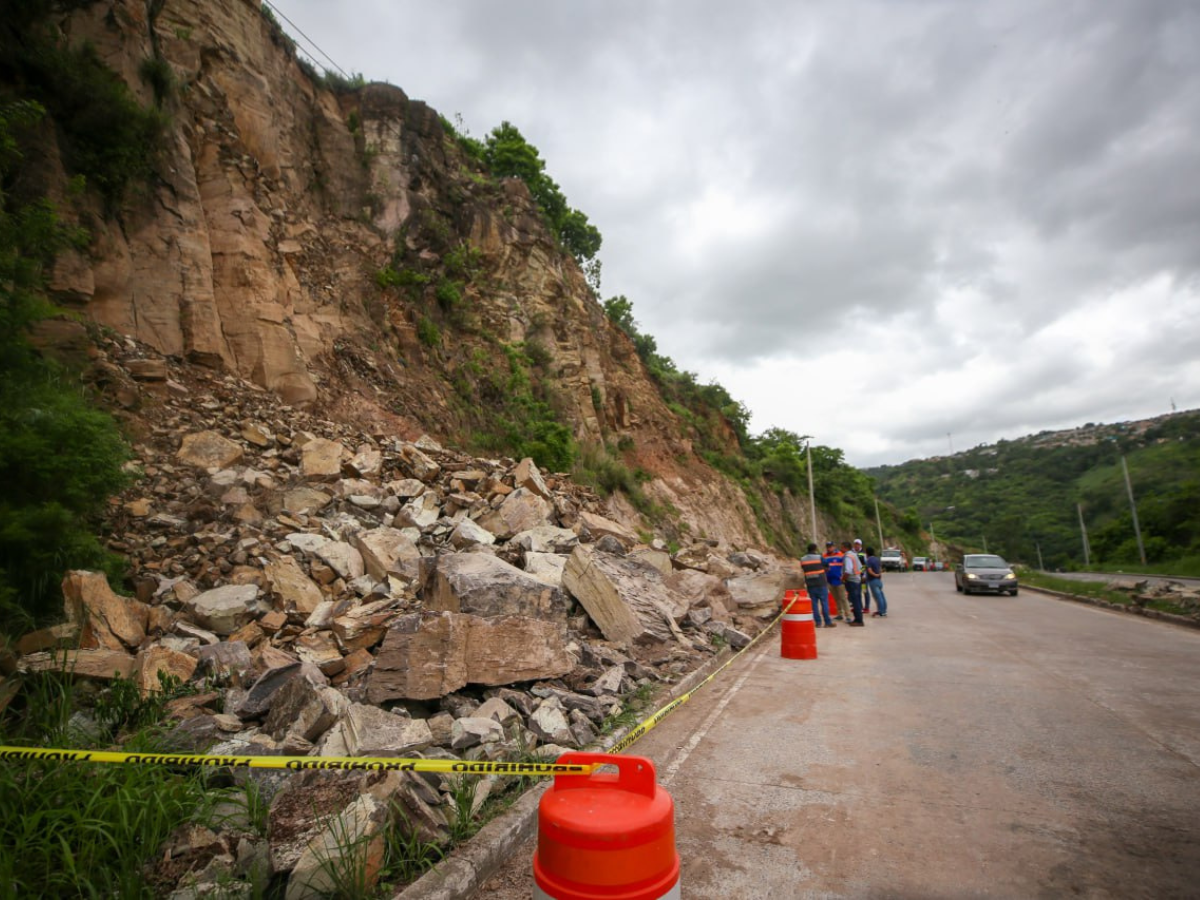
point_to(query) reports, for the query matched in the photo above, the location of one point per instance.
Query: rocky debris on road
(1144, 591)
(355, 594)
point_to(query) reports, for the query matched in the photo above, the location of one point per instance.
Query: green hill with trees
(1026, 496)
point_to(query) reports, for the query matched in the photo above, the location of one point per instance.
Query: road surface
(984, 746)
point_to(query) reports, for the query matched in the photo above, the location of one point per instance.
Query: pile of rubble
(353, 594)
(1144, 591)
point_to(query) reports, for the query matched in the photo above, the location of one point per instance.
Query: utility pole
(1041, 565)
(812, 501)
(985, 549)
(1137, 529)
(879, 524)
(1087, 551)
(932, 536)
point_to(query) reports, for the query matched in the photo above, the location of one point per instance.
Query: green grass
(83, 829)
(1187, 567)
(632, 706)
(1096, 589)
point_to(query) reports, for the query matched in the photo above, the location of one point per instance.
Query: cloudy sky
(898, 226)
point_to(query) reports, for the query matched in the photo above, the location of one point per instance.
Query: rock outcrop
(275, 204)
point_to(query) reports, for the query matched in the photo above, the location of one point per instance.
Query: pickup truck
(892, 560)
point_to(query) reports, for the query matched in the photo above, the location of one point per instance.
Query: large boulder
(225, 609)
(209, 450)
(759, 594)
(288, 581)
(626, 598)
(105, 620)
(481, 584)
(520, 511)
(370, 731)
(425, 657)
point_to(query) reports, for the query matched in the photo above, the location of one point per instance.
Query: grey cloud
(934, 168)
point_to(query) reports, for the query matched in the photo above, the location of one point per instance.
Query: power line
(278, 12)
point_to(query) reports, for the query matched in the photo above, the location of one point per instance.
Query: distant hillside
(1017, 496)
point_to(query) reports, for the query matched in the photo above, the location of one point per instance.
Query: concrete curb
(461, 874)
(1161, 616)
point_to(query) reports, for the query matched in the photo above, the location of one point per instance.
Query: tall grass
(81, 829)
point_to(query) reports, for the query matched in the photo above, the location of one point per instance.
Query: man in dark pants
(852, 572)
(817, 585)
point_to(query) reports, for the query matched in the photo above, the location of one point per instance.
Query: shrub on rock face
(60, 459)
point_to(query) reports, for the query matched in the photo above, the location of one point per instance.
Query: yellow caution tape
(370, 764)
(301, 763)
(641, 730)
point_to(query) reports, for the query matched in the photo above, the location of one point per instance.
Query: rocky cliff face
(277, 201)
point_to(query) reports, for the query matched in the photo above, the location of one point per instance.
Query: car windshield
(891, 552)
(984, 561)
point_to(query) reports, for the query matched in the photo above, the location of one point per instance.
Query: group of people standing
(843, 572)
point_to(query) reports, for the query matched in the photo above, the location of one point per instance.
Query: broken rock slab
(370, 731)
(209, 450)
(425, 657)
(520, 511)
(106, 620)
(225, 609)
(483, 585)
(758, 594)
(289, 582)
(624, 597)
(598, 526)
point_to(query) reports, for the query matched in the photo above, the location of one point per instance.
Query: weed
(462, 807)
(428, 333)
(406, 856)
(464, 261)
(121, 705)
(448, 294)
(68, 825)
(157, 73)
(632, 705)
(537, 353)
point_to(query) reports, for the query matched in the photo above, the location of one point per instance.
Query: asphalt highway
(983, 746)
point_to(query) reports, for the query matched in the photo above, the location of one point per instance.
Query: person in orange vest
(833, 573)
(818, 586)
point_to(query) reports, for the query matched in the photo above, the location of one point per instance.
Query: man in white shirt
(852, 573)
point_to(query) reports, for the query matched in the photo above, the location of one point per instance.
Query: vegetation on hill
(60, 459)
(1019, 497)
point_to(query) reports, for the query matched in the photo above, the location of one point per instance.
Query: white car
(920, 563)
(892, 560)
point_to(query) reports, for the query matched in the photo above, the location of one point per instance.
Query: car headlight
(972, 576)
(1010, 577)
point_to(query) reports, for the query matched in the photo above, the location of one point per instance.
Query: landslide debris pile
(329, 592)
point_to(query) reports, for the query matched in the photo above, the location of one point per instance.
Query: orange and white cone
(606, 836)
(799, 632)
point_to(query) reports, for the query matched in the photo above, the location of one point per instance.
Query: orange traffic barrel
(607, 835)
(799, 632)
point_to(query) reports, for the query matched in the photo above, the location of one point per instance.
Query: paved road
(1007, 747)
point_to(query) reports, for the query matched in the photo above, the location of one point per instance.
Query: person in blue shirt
(874, 574)
(833, 573)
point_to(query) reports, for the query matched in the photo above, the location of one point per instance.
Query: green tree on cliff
(508, 154)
